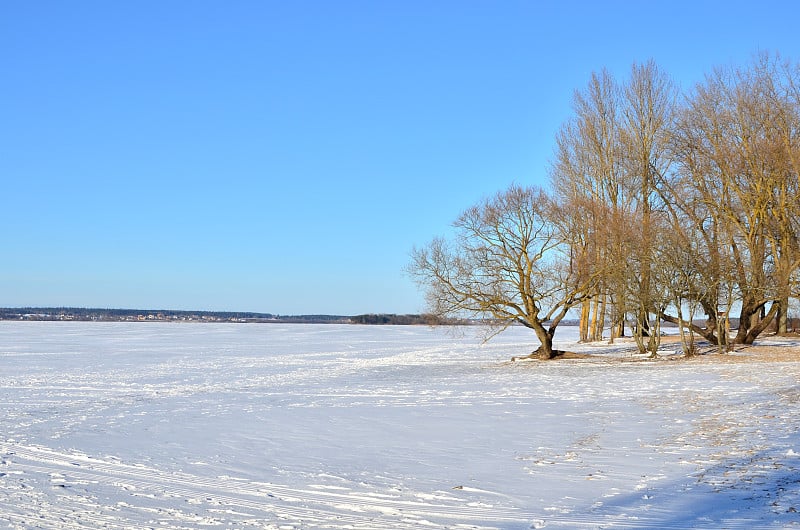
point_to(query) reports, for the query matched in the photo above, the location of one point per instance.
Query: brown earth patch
(752, 353)
(557, 355)
(763, 353)
(787, 352)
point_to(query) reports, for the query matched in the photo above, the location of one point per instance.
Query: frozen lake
(151, 425)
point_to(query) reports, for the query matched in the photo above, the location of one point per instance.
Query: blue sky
(285, 157)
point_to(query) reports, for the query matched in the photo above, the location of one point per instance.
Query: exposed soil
(776, 349)
(753, 353)
(557, 354)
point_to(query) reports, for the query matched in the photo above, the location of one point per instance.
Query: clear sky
(285, 156)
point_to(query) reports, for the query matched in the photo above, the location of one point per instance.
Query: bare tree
(658, 212)
(696, 253)
(607, 162)
(649, 98)
(736, 145)
(586, 176)
(508, 262)
(778, 83)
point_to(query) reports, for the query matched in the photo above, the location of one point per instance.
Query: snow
(165, 425)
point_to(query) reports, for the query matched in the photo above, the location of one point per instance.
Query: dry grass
(777, 349)
(768, 349)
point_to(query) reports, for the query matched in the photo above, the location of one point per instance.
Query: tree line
(663, 206)
(399, 320)
(127, 315)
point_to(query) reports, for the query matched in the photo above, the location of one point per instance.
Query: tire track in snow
(322, 507)
(214, 501)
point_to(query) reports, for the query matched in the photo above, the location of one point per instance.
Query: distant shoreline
(79, 314)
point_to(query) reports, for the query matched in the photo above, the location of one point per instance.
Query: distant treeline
(156, 315)
(400, 320)
(166, 315)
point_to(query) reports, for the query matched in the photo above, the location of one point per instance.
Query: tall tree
(586, 176)
(608, 157)
(737, 146)
(778, 82)
(659, 210)
(649, 98)
(507, 262)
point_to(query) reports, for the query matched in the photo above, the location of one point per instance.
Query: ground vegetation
(664, 206)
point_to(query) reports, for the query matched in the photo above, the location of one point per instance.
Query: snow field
(155, 425)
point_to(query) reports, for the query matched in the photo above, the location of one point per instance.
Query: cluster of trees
(396, 320)
(663, 206)
(123, 315)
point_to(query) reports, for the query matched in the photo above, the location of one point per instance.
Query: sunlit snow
(333, 426)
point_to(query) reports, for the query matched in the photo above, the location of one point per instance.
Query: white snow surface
(190, 426)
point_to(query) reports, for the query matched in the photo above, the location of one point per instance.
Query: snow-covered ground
(327, 426)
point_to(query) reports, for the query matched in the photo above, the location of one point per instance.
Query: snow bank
(328, 426)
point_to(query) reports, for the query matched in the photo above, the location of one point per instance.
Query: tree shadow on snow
(754, 492)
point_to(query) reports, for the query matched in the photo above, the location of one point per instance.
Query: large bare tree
(648, 108)
(660, 211)
(586, 176)
(507, 264)
(608, 158)
(736, 148)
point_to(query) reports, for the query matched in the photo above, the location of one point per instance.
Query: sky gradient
(285, 157)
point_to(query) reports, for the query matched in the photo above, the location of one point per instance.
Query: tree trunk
(708, 333)
(750, 322)
(756, 330)
(601, 319)
(583, 328)
(545, 336)
(546, 350)
(687, 339)
(593, 319)
(617, 330)
(654, 340)
(782, 316)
